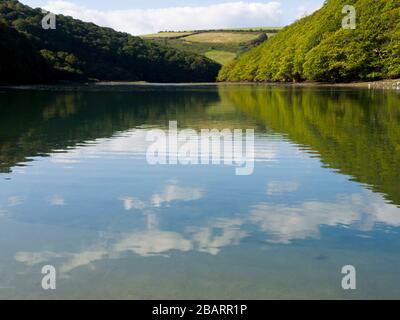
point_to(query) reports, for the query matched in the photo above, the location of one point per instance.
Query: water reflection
(326, 180)
(173, 192)
(282, 187)
(354, 131)
(284, 224)
(280, 223)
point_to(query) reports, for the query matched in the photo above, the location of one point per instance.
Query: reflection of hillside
(37, 123)
(355, 132)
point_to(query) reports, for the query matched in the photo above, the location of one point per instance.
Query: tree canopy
(78, 50)
(318, 48)
(20, 66)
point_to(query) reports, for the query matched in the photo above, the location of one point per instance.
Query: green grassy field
(167, 35)
(222, 46)
(223, 37)
(222, 57)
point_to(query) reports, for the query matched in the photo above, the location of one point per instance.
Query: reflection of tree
(36, 123)
(356, 132)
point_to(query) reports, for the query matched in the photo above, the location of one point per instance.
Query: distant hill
(222, 46)
(77, 50)
(318, 48)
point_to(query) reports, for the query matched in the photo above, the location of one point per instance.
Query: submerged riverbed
(77, 192)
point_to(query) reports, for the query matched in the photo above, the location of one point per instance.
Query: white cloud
(131, 203)
(33, 258)
(84, 258)
(61, 160)
(150, 242)
(15, 201)
(281, 223)
(280, 187)
(173, 192)
(57, 200)
(223, 233)
(145, 21)
(3, 211)
(284, 223)
(306, 9)
(153, 242)
(362, 211)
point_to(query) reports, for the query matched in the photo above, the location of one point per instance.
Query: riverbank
(381, 84)
(100, 85)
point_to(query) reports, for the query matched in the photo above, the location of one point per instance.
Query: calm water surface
(77, 192)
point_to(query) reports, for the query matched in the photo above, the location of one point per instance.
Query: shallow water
(77, 192)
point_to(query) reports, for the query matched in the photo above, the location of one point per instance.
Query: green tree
(317, 48)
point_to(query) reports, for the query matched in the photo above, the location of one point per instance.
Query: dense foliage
(317, 48)
(78, 50)
(20, 66)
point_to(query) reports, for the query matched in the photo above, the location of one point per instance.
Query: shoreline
(389, 84)
(379, 84)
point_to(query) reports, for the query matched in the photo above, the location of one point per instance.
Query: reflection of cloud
(224, 233)
(153, 242)
(281, 223)
(377, 211)
(32, 258)
(173, 192)
(133, 203)
(281, 187)
(132, 142)
(57, 200)
(74, 260)
(285, 223)
(387, 214)
(266, 150)
(15, 201)
(63, 160)
(83, 259)
(3, 212)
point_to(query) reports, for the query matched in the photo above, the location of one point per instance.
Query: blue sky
(141, 17)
